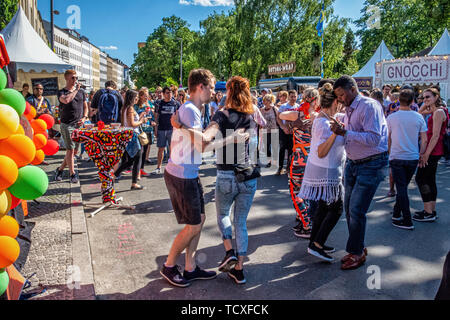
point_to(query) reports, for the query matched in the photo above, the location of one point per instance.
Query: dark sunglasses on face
(427, 97)
(74, 78)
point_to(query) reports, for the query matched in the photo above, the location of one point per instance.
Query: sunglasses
(74, 78)
(428, 97)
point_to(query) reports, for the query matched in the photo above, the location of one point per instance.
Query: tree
(407, 26)
(8, 9)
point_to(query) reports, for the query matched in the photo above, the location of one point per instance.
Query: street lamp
(181, 63)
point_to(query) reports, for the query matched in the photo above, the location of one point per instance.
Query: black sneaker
(174, 277)
(329, 249)
(396, 217)
(58, 175)
(298, 227)
(319, 253)
(403, 225)
(74, 179)
(434, 213)
(228, 262)
(199, 274)
(302, 233)
(424, 217)
(237, 276)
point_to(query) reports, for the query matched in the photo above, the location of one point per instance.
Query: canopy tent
(443, 46)
(28, 50)
(381, 54)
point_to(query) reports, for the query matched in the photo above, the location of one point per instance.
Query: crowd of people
(339, 142)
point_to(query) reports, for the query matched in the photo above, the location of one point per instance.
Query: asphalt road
(129, 247)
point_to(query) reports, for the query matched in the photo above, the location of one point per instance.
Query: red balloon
(27, 108)
(49, 120)
(15, 202)
(51, 148)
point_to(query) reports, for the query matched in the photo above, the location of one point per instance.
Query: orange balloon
(39, 141)
(8, 172)
(19, 148)
(20, 130)
(40, 156)
(9, 251)
(39, 126)
(9, 227)
(32, 114)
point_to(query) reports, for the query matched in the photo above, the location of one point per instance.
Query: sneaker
(319, 253)
(128, 172)
(403, 225)
(199, 274)
(74, 179)
(237, 276)
(144, 174)
(424, 217)
(174, 277)
(58, 175)
(228, 262)
(157, 171)
(396, 217)
(298, 227)
(302, 233)
(329, 250)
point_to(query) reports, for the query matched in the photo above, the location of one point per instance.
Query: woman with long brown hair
(426, 174)
(233, 185)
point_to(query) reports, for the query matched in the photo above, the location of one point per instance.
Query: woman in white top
(133, 155)
(322, 181)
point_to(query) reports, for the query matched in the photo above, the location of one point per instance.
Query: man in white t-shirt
(405, 128)
(184, 186)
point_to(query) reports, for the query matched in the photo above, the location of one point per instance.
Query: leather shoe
(345, 259)
(353, 262)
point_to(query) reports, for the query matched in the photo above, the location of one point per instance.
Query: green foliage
(407, 26)
(8, 9)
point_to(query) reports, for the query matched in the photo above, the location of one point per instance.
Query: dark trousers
(286, 143)
(426, 180)
(444, 290)
(144, 154)
(403, 171)
(127, 161)
(326, 218)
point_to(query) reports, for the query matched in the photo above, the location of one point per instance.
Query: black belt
(371, 158)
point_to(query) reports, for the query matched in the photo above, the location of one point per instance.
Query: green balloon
(31, 184)
(14, 99)
(4, 281)
(3, 80)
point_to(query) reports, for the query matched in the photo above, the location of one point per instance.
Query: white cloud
(208, 3)
(109, 48)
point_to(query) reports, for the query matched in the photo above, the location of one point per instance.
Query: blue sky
(122, 24)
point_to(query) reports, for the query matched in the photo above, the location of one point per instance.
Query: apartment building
(34, 16)
(95, 67)
(61, 41)
(103, 69)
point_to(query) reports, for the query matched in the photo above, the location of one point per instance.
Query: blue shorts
(164, 138)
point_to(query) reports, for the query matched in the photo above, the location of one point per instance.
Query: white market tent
(443, 46)
(27, 49)
(381, 54)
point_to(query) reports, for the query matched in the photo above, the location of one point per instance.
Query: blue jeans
(229, 191)
(403, 171)
(361, 184)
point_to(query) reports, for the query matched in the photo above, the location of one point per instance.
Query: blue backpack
(108, 108)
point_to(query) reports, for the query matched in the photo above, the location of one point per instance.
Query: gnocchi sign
(416, 70)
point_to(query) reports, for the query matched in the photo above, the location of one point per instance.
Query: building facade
(103, 69)
(95, 67)
(34, 16)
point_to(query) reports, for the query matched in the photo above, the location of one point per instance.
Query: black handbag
(247, 172)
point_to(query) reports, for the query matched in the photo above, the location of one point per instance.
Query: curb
(81, 250)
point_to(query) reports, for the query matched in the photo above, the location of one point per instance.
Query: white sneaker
(157, 171)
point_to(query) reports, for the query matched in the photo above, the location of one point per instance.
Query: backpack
(108, 109)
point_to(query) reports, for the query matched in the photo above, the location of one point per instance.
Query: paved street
(129, 247)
